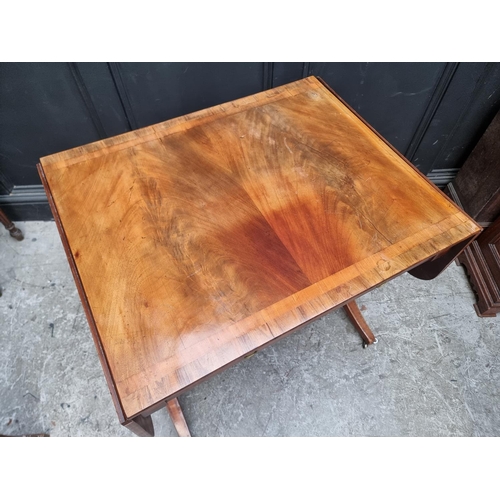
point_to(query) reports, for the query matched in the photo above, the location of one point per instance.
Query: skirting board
(26, 203)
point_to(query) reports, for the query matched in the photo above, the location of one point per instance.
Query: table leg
(11, 227)
(354, 314)
(175, 411)
(142, 426)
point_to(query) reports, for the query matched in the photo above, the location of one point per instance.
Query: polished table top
(197, 241)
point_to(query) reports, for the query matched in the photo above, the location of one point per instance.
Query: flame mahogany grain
(199, 240)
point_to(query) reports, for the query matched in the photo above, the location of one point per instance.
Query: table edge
(90, 319)
(77, 154)
(161, 402)
(84, 300)
(398, 153)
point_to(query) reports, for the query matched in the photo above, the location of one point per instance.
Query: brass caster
(366, 344)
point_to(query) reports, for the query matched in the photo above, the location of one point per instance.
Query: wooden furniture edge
(162, 401)
(83, 298)
(487, 304)
(433, 267)
(481, 281)
(408, 162)
(357, 319)
(141, 426)
(452, 193)
(90, 318)
(177, 415)
(158, 130)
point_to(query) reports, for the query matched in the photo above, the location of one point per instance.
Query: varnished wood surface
(359, 322)
(142, 426)
(176, 414)
(202, 238)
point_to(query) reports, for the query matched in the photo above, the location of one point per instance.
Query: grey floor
(434, 372)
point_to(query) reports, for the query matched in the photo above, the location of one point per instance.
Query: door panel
(155, 92)
(41, 112)
(391, 97)
(432, 112)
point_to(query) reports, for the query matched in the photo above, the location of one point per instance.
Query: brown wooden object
(14, 231)
(198, 241)
(142, 426)
(477, 190)
(177, 416)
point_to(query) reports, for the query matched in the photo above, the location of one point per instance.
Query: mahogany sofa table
(200, 240)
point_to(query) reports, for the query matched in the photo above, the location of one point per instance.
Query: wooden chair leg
(354, 314)
(15, 232)
(175, 411)
(142, 426)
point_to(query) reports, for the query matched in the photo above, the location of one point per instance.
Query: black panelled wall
(433, 113)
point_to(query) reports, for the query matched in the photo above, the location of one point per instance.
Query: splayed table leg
(175, 411)
(354, 314)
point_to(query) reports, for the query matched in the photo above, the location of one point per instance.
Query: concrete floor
(434, 372)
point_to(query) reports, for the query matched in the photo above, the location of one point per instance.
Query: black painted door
(432, 112)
